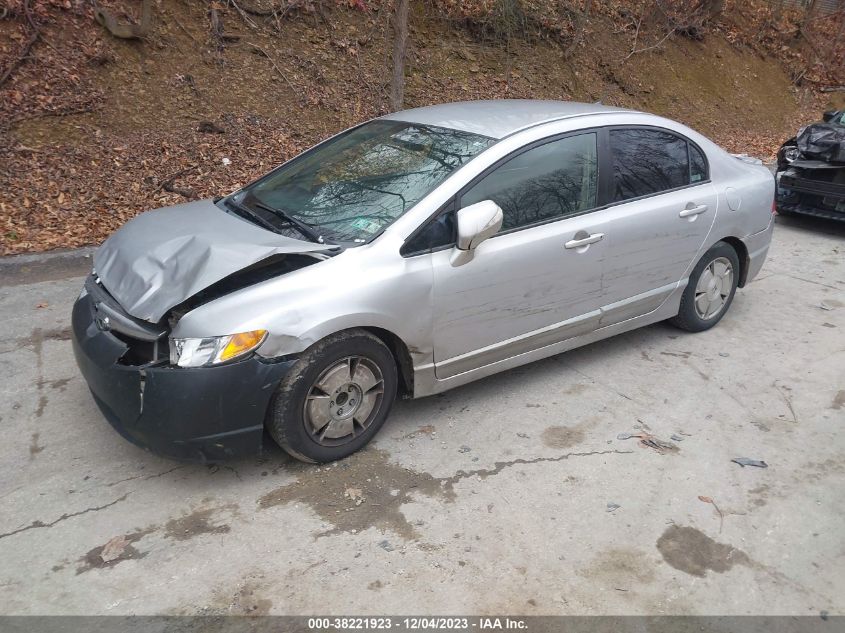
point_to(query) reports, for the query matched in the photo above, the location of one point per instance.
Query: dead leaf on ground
(650, 441)
(114, 548)
(352, 493)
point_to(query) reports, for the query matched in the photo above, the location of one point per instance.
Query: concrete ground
(493, 498)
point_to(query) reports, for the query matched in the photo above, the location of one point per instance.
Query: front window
(551, 181)
(351, 187)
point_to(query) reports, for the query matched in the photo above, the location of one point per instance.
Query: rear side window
(697, 164)
(647, 161)
(550, 181)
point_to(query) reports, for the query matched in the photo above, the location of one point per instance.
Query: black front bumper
(192, 414)
(810, 205)
(809, 196)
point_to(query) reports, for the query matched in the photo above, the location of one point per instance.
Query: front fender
(417, 342)
(359, 288)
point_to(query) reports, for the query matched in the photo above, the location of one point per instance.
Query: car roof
(498, 118)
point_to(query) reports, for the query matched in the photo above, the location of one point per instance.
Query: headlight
(202, 352)
(791, 153)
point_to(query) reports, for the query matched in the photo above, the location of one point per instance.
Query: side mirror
(476, 223)
(827, 117)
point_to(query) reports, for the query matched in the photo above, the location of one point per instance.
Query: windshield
(352, 186)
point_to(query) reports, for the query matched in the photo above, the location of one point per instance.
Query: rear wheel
(710, 290)
(335, 398)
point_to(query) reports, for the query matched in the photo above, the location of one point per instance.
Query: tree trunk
(400, 45)
(809, 13)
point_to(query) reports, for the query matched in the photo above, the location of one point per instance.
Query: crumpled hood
(163, 257)
(822, 141)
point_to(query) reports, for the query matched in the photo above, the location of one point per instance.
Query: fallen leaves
(114, 548)
(75, 195)
(355, 495)
(71, 182)
(648, 440)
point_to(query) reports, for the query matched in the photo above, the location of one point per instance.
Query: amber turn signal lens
(242, 343)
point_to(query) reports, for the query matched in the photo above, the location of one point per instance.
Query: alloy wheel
(713, 288)
(344, 400)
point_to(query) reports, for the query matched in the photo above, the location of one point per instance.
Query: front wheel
(710, 290)
(335, 398)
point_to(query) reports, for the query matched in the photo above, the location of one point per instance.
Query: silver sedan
(405, 256)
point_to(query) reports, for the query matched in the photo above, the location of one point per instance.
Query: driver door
(536, 282)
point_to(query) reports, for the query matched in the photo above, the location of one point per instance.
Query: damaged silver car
(406, 256)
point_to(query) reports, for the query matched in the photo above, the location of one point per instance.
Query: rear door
(662, 207)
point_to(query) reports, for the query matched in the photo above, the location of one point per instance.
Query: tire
(352, 365)
(699, 313)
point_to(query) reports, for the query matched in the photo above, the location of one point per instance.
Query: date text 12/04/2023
(416, 623)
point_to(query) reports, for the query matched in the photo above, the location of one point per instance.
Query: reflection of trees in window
(698, 166)
(647, 161)
(551, 181)
(379, 181)
(363, 180)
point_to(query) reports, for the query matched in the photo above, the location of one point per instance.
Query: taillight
(774, 206)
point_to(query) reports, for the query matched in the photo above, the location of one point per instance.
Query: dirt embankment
(95, 129)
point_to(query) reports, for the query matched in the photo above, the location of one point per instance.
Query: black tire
(688, 317)
(287, 420)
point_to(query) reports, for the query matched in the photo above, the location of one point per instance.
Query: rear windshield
(352, 186)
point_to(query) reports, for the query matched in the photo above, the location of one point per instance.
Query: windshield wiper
(252, 215)
(303, 228)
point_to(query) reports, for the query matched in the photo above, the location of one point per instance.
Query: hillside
(94, 129)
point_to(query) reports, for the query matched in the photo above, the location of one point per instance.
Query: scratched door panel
(650, 248)
(522, 290)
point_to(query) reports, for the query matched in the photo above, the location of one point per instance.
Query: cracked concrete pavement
(497, 497)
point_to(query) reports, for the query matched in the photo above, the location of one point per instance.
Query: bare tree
(580, 19)
(400, 46)
(34, 34)
(809, 14)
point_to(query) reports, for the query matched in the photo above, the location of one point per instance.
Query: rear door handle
(592, 239)
(693, 211)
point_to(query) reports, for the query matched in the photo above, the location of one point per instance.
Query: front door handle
(693, 211)
(591, 239)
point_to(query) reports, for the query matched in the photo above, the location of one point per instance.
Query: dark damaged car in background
(406, 256)
(811, 170)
